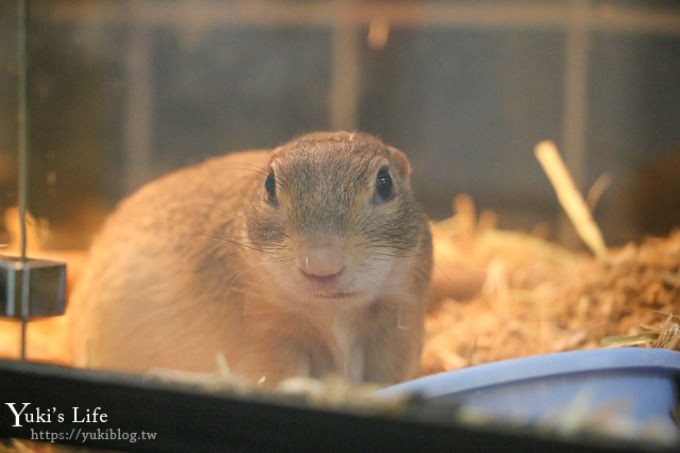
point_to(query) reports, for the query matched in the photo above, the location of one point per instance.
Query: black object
(41, 282)
(185, 418)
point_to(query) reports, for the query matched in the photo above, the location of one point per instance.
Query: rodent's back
(161, 241)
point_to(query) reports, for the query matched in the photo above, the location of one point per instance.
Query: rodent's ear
(401, 161)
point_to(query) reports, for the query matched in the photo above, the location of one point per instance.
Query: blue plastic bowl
(639, 383)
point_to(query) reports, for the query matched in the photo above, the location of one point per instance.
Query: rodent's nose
(322, 262)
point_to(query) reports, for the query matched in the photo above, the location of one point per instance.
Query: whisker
(391, 250)
(248, 166)
(231, 240)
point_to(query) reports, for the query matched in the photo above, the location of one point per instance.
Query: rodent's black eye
(270, 187)
(384, 186)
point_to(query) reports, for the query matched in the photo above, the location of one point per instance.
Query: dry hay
(535, 297)
(538, 297)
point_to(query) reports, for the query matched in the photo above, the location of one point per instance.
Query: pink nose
(322, 261)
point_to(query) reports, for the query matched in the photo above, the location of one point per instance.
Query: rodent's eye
(270, 187)
(384, 186)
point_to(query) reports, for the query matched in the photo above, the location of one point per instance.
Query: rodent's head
(336, 219)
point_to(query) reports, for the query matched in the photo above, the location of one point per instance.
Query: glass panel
(124, 92)
(8, 112)
(121, 94)
(470, 104)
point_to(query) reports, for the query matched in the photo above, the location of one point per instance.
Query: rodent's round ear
(401, 161)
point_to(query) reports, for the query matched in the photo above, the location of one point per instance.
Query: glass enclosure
(122, 92)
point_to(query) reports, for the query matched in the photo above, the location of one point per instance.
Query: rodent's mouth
(335, 294)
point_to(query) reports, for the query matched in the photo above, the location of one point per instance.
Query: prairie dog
(310, 259)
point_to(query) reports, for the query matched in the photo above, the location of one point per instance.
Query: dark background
(123, 91)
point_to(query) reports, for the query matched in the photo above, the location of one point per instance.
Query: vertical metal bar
(345, 70)
(139, 107)
(23, 142)
(575, 104)
(22, 55)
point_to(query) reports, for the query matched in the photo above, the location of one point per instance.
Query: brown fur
(198, 263)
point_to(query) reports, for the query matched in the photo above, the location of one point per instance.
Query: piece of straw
(570, 198)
